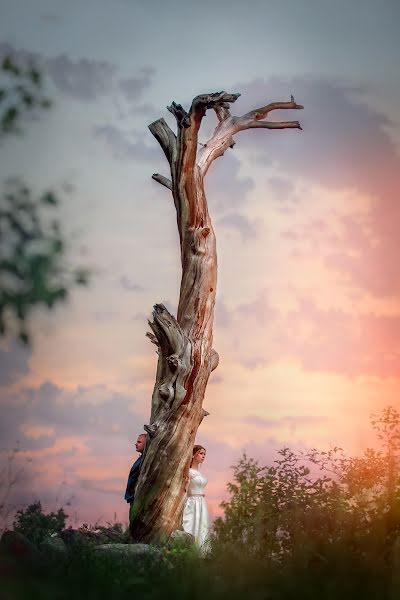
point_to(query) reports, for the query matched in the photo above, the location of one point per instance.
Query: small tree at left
(33, 268)
(34, 524)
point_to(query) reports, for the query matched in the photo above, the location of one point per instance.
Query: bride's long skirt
(196, 520)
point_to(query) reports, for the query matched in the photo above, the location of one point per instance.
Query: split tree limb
(174, 363)
(165, 137)
(214, 362)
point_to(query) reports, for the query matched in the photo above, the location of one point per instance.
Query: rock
(17, 545)
(93, 537)
(128, 549)
(17, 552)
(128, 553)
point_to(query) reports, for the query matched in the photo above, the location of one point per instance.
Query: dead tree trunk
(184, 344)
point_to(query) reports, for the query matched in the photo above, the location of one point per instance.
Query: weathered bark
(184, 345)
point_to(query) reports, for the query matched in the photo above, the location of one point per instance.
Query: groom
(135, 469)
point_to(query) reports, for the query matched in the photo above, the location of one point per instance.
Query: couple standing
(195, 514)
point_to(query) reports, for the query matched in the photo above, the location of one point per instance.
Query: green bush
(317, 506)
(33, 523)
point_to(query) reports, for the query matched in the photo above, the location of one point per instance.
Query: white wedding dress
(195, 514)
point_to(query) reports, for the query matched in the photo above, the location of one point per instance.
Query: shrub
(36, 525)
(317, 505)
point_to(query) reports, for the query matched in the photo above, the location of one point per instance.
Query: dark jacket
(133, 479)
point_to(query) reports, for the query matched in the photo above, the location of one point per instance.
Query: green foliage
(32, 250)
(33, 269)
(36, 525)
(308, 505)
(180, 552)
(20, 94)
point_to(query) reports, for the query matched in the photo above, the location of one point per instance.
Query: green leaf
(49, 198)
(8, 121)
(9, 65)
(35, 76)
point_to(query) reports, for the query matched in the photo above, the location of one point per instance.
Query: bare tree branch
(222, 137)
(163, 180)
(222, 112)
(205, 101)
(261, 113)
(165, 137)
(274, 125)
(182, 117)
(189, 124)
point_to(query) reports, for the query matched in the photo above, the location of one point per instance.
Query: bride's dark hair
(196, 448)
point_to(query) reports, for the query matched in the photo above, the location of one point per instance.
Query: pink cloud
(321, 339)
(344, 144)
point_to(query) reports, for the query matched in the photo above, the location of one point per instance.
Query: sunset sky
(307, 321)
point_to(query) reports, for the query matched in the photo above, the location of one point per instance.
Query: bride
(195, 514)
